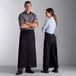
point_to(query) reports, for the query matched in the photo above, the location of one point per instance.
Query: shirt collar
(27, 13)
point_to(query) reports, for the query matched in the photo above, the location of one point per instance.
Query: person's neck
(49, 16)
(28, 12)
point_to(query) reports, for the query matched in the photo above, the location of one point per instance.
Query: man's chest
(28, 18)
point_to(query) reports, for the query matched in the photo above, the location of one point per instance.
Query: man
(27, 53)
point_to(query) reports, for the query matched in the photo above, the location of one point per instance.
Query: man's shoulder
(21, 14)
(33, 13)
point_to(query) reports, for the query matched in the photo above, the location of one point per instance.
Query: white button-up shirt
(50, 26)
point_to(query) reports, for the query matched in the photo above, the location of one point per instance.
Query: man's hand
(24, 26)
(32, 24)
(29, 24)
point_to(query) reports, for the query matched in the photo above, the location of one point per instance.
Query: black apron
(27, 52)
(50, 58)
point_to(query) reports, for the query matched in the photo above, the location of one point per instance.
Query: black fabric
(50, 58)
(27, 52)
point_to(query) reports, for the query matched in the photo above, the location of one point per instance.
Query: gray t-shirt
(24, 17)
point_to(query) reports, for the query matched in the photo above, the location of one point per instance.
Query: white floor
(63, 71)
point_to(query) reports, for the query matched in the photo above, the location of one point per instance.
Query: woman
(50, 46)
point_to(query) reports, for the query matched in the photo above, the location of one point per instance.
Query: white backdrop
(9, 29)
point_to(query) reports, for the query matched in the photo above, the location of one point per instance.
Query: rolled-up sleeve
(21, 20)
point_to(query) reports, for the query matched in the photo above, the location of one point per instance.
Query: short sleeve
(21, 20)
(35, 17)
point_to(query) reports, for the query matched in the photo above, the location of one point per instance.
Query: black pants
(50, 58)
(27, 52)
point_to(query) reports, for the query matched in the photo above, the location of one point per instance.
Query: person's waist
(50, 31)
(50, 34)
(26, 28)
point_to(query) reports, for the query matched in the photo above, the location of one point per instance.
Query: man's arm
(24, 26)
(33, 24)
(29, 24)
(22, 22)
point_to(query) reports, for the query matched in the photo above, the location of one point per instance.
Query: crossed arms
(33, 24)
